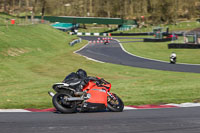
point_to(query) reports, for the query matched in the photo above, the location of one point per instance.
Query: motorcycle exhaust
(70, 98)
(51, 94)
(79, 93)
(74, 99)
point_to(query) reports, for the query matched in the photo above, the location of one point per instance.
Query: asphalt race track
(113, 53)
(165, 120)
(171, 120)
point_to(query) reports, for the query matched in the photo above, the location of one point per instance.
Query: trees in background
(154, 11)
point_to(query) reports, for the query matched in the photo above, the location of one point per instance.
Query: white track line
(149, 58)
(13, 110)
(185, 104)
(127, 53)
(75, 52)
(129, 108)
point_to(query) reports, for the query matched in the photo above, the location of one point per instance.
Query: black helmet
(81, 73)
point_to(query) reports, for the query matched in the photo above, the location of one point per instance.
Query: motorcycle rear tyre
(119, 107)
(62, 108)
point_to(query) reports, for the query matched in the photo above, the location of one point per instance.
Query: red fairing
(98, 93)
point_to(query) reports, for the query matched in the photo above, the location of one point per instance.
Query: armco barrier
(183, 46)
(88, 34)
(143, 34)
(75, 41)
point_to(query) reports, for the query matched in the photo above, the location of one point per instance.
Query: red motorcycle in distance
(95, 96)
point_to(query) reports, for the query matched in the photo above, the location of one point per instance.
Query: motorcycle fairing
(98, 96)
(87, 106)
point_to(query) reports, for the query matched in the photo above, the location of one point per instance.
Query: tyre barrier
(183, 46)
(75, 41)
(132, 34)
(98, 42)
(157, 40)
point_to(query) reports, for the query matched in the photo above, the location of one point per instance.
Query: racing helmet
(81, 73)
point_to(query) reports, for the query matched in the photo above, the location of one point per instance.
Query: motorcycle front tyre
(172, 62)
(61, 105)
(115, 107)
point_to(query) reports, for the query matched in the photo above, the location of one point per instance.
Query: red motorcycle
(95, 96)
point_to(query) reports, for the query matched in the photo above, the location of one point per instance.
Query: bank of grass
(160, 51)
(32, 58)
(5, 20)
(180, 26)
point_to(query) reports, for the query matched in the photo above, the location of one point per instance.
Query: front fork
(110, 94)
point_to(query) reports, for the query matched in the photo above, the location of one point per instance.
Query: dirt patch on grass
(14, 52)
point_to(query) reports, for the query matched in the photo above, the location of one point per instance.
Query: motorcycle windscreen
(98, 96)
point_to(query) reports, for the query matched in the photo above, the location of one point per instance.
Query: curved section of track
(114, 53)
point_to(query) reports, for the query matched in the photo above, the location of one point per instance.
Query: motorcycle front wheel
(115, 104)
(62, 105)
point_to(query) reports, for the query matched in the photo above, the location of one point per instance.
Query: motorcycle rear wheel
(115, 104)
(62, 105)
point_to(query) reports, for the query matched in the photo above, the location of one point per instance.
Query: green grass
(34, 57)
(22, 51)
(181, 26)
(184, 26)
(5, 20)
(160, 51)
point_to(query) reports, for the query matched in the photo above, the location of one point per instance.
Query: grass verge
(160, 51)
(32, 58)
(181, 26)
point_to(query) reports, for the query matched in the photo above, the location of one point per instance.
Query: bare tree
(91, 7)
(155, 11)
(33, 10)
(27, 9)
(43, 8)
(5, 6)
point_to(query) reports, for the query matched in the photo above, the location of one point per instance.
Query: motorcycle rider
(173, 58)
(79, 79)
(82, 74)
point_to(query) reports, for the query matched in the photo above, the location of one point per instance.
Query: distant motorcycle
(173, 60)
(106, 42)
(95, 96)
